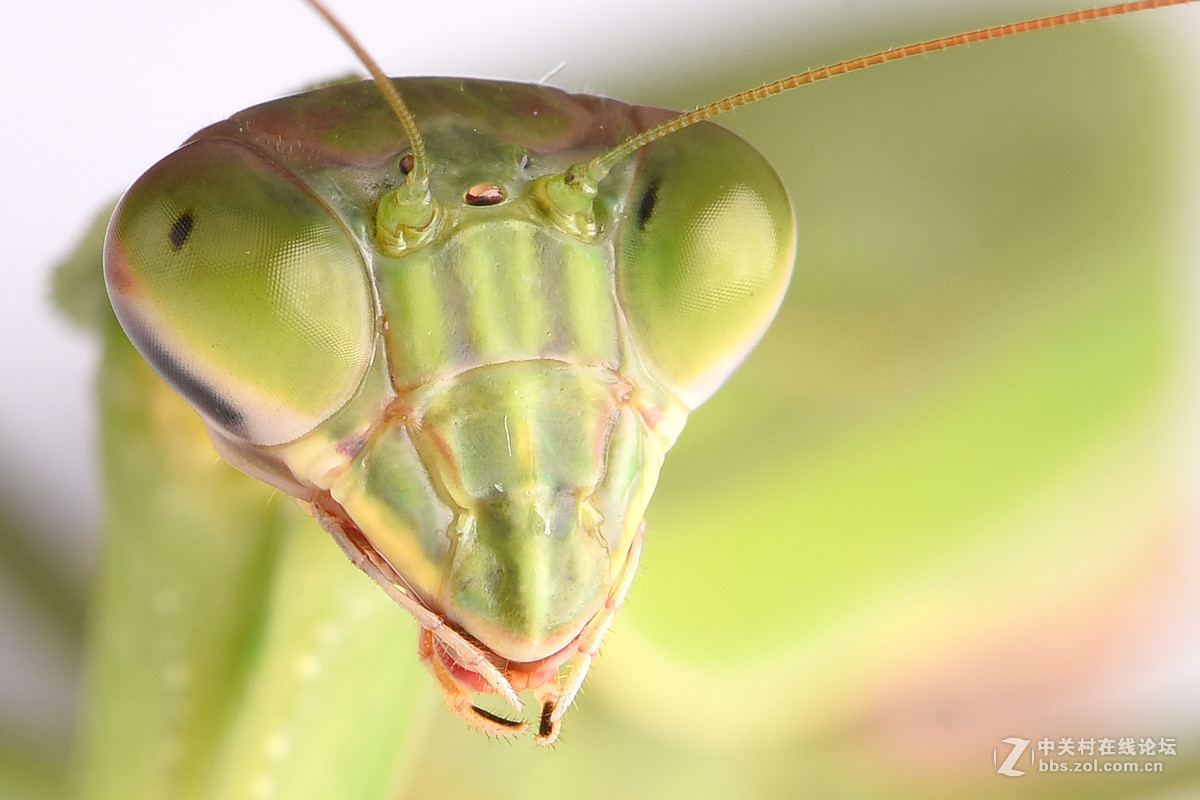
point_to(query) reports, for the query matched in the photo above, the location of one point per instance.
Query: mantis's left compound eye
(244, 291)
(704, 257)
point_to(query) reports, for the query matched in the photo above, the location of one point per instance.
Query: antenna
(584, 178)
(407, 215)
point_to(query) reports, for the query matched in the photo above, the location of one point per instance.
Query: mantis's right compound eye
(243, 290)
(705, 257)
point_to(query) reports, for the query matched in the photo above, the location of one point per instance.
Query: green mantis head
(480, 413)
(474, 398)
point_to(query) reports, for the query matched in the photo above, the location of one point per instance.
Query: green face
(490, 409)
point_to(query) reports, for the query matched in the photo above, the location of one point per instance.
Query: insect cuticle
(545, 723)
(407, 216)
(496, 718)
(623, 391)
(567, 202)
(425, 412)
(484, 194)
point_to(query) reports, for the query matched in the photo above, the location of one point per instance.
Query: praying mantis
(176, 678)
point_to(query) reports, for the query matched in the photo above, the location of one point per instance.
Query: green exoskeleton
(462, 331)
(465, 367)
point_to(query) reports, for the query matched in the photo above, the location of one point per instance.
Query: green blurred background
(951, 498)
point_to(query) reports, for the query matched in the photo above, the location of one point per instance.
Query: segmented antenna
(385, 86)
(588, 176)
(406, 216)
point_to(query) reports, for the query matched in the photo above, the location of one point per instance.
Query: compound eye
(704, 257)
(242, 289)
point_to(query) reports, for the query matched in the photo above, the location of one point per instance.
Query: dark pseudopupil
(647, 203)
(181, 229)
